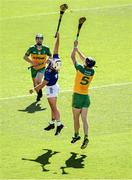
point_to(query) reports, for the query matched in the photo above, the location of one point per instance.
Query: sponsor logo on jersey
(88, 73)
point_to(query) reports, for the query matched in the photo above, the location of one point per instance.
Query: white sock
(52, 122)
(58, 122)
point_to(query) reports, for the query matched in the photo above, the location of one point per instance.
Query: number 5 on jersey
(84, 80)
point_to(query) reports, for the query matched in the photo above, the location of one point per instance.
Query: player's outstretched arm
(73, 54)
(38, 87)
(57, 42)
(25, 57)
(81, 55)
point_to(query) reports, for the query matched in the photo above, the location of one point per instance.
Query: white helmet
(56, 64)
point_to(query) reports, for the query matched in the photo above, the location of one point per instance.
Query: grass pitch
(26, 151)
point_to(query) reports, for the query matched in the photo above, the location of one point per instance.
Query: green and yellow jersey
(83, 79)
(39, 56)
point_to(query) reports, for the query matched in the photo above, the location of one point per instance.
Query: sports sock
(76, 134)
(58, 122)
(52, 121)
(86, 136)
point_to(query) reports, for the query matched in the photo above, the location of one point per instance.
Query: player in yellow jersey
(80, 99)
(37, 56)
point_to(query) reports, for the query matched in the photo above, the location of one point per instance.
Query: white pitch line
(105, 7)
(72, 10)
(30, 15)
(70, 90)
(102, 86)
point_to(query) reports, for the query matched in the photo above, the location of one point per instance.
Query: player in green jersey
(81, 100)
(37, 56)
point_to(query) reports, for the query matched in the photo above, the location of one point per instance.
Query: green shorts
(80, 101)
(34, 72)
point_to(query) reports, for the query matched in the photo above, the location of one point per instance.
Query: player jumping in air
(37, 56)
(81, 101)
(52, 88)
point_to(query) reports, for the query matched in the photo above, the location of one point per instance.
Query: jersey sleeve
(78, 66)
(28, 51)
(56, 56)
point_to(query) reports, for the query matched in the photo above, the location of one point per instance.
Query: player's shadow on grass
(32, 108)
(73, 162)
(44, 158)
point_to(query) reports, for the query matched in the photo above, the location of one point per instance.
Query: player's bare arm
(28, 60)
(74, 51)
(38, 87)
(81, 55)
(56, 47)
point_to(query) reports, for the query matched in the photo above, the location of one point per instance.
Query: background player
(37, 56)
(81, 101)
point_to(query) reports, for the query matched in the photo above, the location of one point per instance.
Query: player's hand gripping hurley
(63, 8)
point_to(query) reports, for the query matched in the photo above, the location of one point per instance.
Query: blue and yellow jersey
(39, 56)
(83, 79)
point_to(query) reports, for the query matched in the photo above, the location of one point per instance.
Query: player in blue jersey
(52, 88)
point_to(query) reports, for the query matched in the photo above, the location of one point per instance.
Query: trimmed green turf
(106, 35)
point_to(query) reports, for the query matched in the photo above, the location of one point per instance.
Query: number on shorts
(51, 90)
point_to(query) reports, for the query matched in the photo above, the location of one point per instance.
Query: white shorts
(52, 91)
